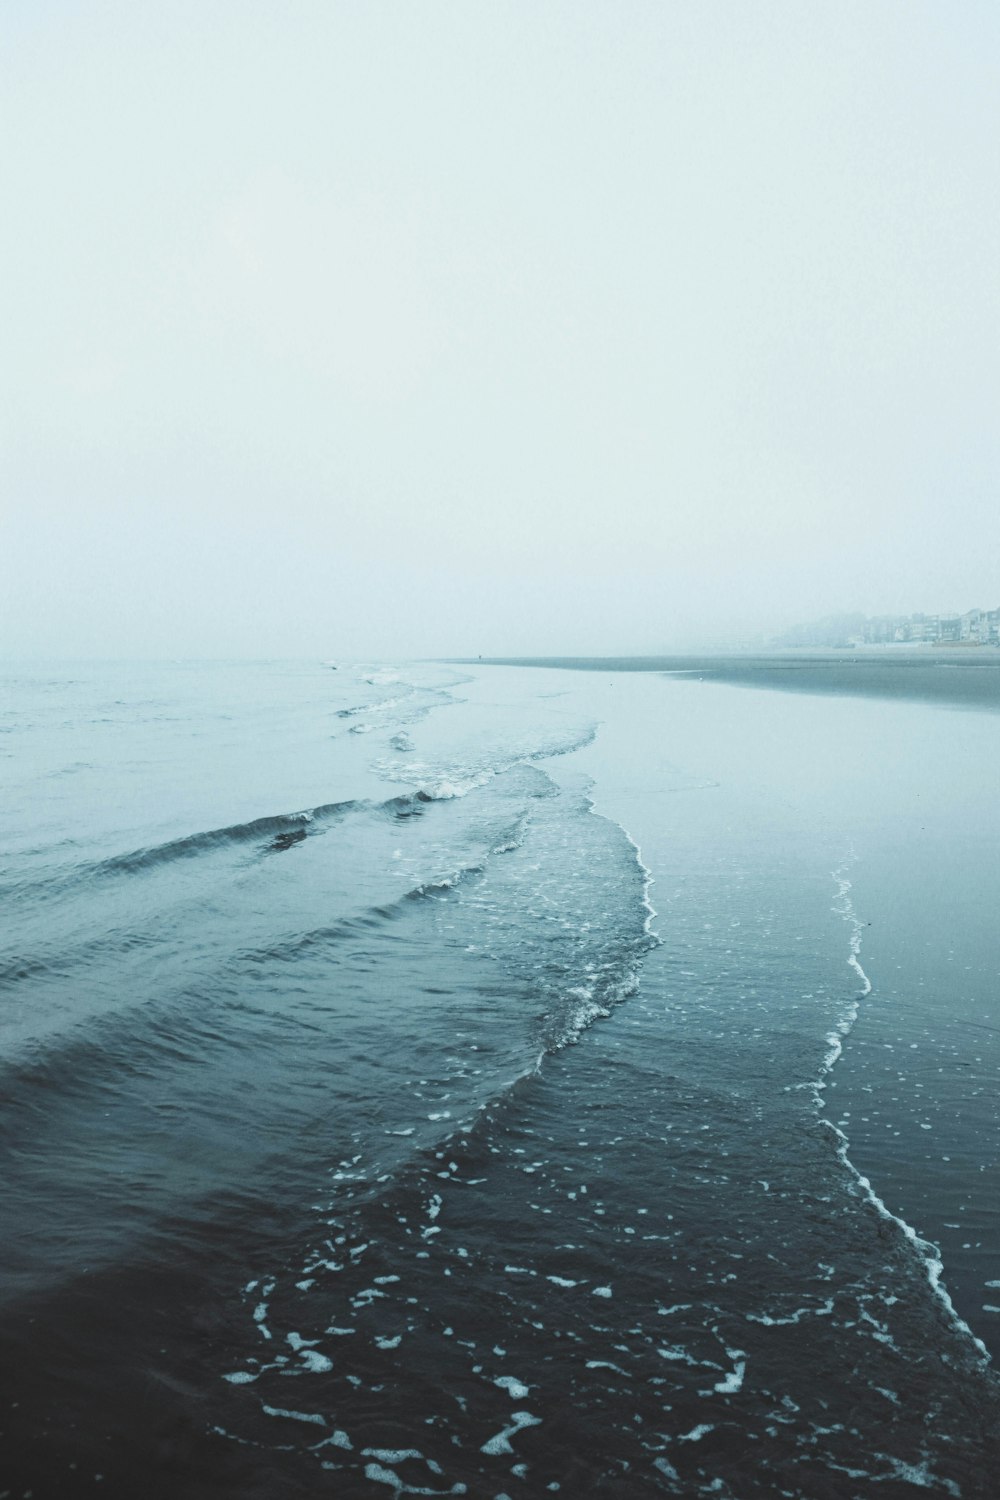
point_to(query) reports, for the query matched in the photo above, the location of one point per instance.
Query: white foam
(337, 1439)
(733, 1381)
(298, 1342)
(927, 1251)
(822, 1311)
(844, 907)
(917, 1474)
(314, 1362)
(434, 785)
(378, 1475)
(516, 1389)
(259, 1314)
(500, 1443)
(295, 1416)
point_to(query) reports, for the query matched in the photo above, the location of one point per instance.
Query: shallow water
(497, 1081)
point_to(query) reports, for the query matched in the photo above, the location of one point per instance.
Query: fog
(433, 328)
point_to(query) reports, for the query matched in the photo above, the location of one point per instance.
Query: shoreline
(957, 678)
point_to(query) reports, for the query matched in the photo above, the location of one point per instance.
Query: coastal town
(976, 627)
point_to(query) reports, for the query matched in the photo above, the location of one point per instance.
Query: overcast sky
(367, 328)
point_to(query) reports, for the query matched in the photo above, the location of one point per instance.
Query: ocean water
(497, 1082)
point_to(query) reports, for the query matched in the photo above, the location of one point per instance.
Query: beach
(500, 1080)
(969, 677)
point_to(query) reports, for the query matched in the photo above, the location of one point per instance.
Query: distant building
(977, 627)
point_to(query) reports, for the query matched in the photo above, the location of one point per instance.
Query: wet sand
(961, 678)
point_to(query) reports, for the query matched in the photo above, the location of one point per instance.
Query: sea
(503, 1081)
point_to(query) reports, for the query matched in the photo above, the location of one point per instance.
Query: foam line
(648, 878)
(929, 1253)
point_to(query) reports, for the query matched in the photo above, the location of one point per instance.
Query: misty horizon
(357, 331)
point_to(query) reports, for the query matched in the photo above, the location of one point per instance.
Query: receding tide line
(929, 1253)
(630, 980)
(648, 878)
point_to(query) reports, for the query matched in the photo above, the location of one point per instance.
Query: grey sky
(418, 328)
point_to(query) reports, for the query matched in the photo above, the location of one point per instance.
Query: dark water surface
(367, 1132)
